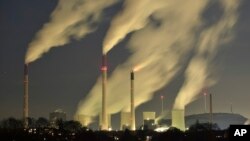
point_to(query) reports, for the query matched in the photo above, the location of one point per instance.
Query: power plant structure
(26, 97)
(178, 119)
(149, 120)
(211, 108)
(104, 69)
(58, 114)
(109, 126)
(132, 102)
(125, 120)
(85, 120)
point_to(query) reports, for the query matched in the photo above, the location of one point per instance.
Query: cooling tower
(178, 120)
(132, 109)
(148, 115)
(104, 122)
(26, 96)
(125, 120)
(85, 120)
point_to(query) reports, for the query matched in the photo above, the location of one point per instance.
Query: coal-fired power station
(178, 119)
(104, 68)
(132, 102)
(26, 96)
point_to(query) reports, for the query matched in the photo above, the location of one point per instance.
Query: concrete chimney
(104, 123)
(132, 102)
(26, 96)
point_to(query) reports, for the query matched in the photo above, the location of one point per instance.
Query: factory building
(149, 120)
(58, 114)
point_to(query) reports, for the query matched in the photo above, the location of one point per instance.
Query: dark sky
(66, 74)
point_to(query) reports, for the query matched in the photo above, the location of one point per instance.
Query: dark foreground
(46, 134)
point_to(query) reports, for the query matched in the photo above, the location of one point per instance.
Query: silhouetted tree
(42, 122)
(203, 126)
(59, 124)
(31, 122)
(72, 126)
(12, 123)
(172, 134)
(127, 136)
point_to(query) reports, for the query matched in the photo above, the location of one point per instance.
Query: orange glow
(104, 68)
(138, 67)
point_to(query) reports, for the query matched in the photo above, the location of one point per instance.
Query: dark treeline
(41, 129)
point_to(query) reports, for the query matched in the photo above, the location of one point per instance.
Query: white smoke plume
(200, 69)
(133, 17)
(167, 37)
(70, 19)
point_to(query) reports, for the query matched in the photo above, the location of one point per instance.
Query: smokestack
(132, 100)
(211, 109)
(26, 96)
(104, 125)
(178, 120)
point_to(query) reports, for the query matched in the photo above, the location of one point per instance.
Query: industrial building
(58, 114)
(149, 120)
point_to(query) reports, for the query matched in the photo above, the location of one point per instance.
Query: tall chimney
(132, 108)
(104, 125)
(26, 96)
(211, 109)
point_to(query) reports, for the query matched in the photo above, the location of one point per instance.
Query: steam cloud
(133, 17)
(199, 71)
(70, 19)
(161, 41)
(161, 45)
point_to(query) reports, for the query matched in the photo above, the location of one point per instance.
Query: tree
(72, 126)
(12, 123)
(42, 122)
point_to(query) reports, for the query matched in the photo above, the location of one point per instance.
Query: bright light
(104, 68)
(162, 96)
(161, 129)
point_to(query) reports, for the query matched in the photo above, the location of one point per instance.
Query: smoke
(133, 17)
(160, 46)
(199, 72)
(70, 19)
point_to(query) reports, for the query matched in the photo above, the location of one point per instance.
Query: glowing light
(161, 129)
(104, 68)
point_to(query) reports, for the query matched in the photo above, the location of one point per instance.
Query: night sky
(65, 75)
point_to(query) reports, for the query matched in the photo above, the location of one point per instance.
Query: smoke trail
(199, 71)
(70, 19)
(162, 45)
(133, 17)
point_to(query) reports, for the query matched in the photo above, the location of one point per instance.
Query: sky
(65, 75)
